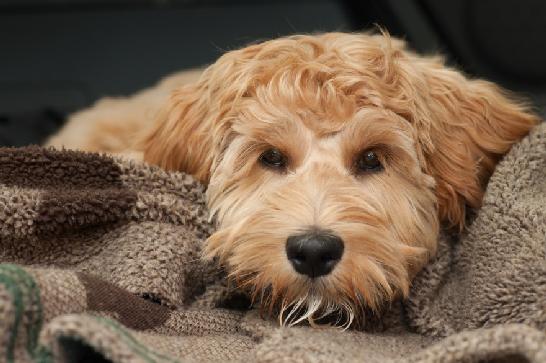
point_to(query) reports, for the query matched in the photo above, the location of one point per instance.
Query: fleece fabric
(100, 262)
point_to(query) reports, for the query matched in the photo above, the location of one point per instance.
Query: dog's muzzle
(314, 253)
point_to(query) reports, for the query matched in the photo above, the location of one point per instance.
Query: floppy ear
(180, 139)
(473, 124)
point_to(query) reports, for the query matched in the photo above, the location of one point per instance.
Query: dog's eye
(368, 161)
(273, 158)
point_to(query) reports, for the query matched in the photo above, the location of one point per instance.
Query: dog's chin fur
(322, 100)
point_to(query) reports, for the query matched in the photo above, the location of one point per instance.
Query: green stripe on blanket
(26, 300)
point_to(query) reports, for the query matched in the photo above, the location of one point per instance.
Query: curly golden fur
(321, 100)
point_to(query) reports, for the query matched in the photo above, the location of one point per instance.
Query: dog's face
(331, 161)
(322, 210)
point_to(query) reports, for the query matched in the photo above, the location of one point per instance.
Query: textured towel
(101, 262)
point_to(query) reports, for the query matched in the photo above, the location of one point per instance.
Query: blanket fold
(100, 261)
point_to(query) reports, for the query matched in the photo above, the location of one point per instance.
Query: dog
(331, 162)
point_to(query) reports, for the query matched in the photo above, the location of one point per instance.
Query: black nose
(315, 253)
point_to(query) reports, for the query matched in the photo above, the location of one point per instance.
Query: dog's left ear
(466, 127)
(181, 136)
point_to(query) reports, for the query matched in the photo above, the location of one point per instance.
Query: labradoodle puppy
(331, 162)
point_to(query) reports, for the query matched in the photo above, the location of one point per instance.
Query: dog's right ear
(181, 137)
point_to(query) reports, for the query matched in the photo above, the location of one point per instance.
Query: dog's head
(331, 161)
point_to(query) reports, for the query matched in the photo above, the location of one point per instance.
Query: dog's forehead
(298, 128)
(307, 121)
(321, 127)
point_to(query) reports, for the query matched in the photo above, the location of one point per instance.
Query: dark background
(58, 56)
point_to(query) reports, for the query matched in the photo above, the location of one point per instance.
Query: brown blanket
(101, 262)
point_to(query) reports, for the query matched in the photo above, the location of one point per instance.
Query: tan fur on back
(113, 124)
